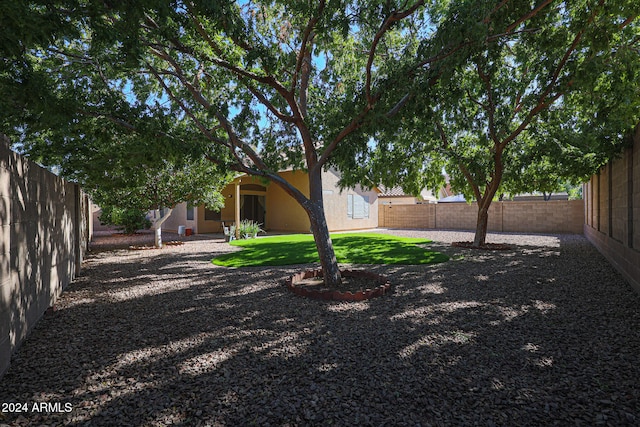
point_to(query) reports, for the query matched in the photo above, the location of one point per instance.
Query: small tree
(159, 189)
(129, 220)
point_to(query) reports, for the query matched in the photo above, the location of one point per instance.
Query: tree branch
(543, 102)
(490, 107)
(305, 76)
(120, 122)
(529, 15)
(357, 122)
(463, 168)
(307, 37)
(268, 80)
(396, 108)
(264, 101)
(198, 96)
(184, 108)
(386, 25)
(487, 18)
(274, 177)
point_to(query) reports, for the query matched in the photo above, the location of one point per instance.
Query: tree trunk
(484, 201)
(313, 205)
(320, 230)
(328, 261)
(481, 226)
(157, 224)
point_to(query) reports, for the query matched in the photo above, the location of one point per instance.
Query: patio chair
(229, 232)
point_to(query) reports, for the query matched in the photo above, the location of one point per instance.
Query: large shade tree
(254, 86)
(244, 84)
(522, 111)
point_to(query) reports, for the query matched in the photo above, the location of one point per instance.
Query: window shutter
(349, 205)
(365, 200)
(358, 207)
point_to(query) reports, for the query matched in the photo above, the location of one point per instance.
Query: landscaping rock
(545, 333)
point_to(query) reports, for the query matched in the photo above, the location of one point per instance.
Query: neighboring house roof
(391, 192)
(398, 192)
(456, 198)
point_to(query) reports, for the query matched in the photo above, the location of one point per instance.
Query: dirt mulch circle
(485, 247)
(357, 285)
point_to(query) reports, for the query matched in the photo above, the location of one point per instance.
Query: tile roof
(392, 192)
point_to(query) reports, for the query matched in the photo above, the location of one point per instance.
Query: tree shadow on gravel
(531, 336)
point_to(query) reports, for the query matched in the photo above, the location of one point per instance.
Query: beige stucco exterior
(281, 212)
(179, 217)
(335, 205)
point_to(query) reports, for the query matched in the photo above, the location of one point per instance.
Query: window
(190, 212)
(211, 215)
(357, 206)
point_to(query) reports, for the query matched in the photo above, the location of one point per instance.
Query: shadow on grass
(358, 248)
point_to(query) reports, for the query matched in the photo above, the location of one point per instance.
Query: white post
(237, 210)
(158, 240)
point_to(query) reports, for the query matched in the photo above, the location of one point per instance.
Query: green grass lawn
(352, 248)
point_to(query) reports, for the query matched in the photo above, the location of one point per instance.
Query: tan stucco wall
(283, 213)
(335, 205)
(226, 213)
(179, 217)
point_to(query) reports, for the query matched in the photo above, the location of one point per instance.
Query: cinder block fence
(554, 216)
(612, 200)
(45, 228)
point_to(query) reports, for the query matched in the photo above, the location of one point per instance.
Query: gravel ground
(544, 334)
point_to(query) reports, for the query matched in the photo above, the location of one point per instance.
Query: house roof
(398, 192)
(454, 198)
(392, 192)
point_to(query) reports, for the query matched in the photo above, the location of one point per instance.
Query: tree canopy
(253, 86)
(547, 98)
(400, 87)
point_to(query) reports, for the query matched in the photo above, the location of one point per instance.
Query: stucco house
(349, 209)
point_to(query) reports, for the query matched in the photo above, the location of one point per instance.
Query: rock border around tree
(381, 287)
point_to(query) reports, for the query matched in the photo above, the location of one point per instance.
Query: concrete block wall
(462, 216)
(612, 204)
(45, 230)
(397, 216)
(556, 216)
(553, 216)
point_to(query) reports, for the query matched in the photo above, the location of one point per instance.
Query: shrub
(127, 220)
(248, 229)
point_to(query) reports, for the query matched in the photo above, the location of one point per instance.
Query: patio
(543, 334)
